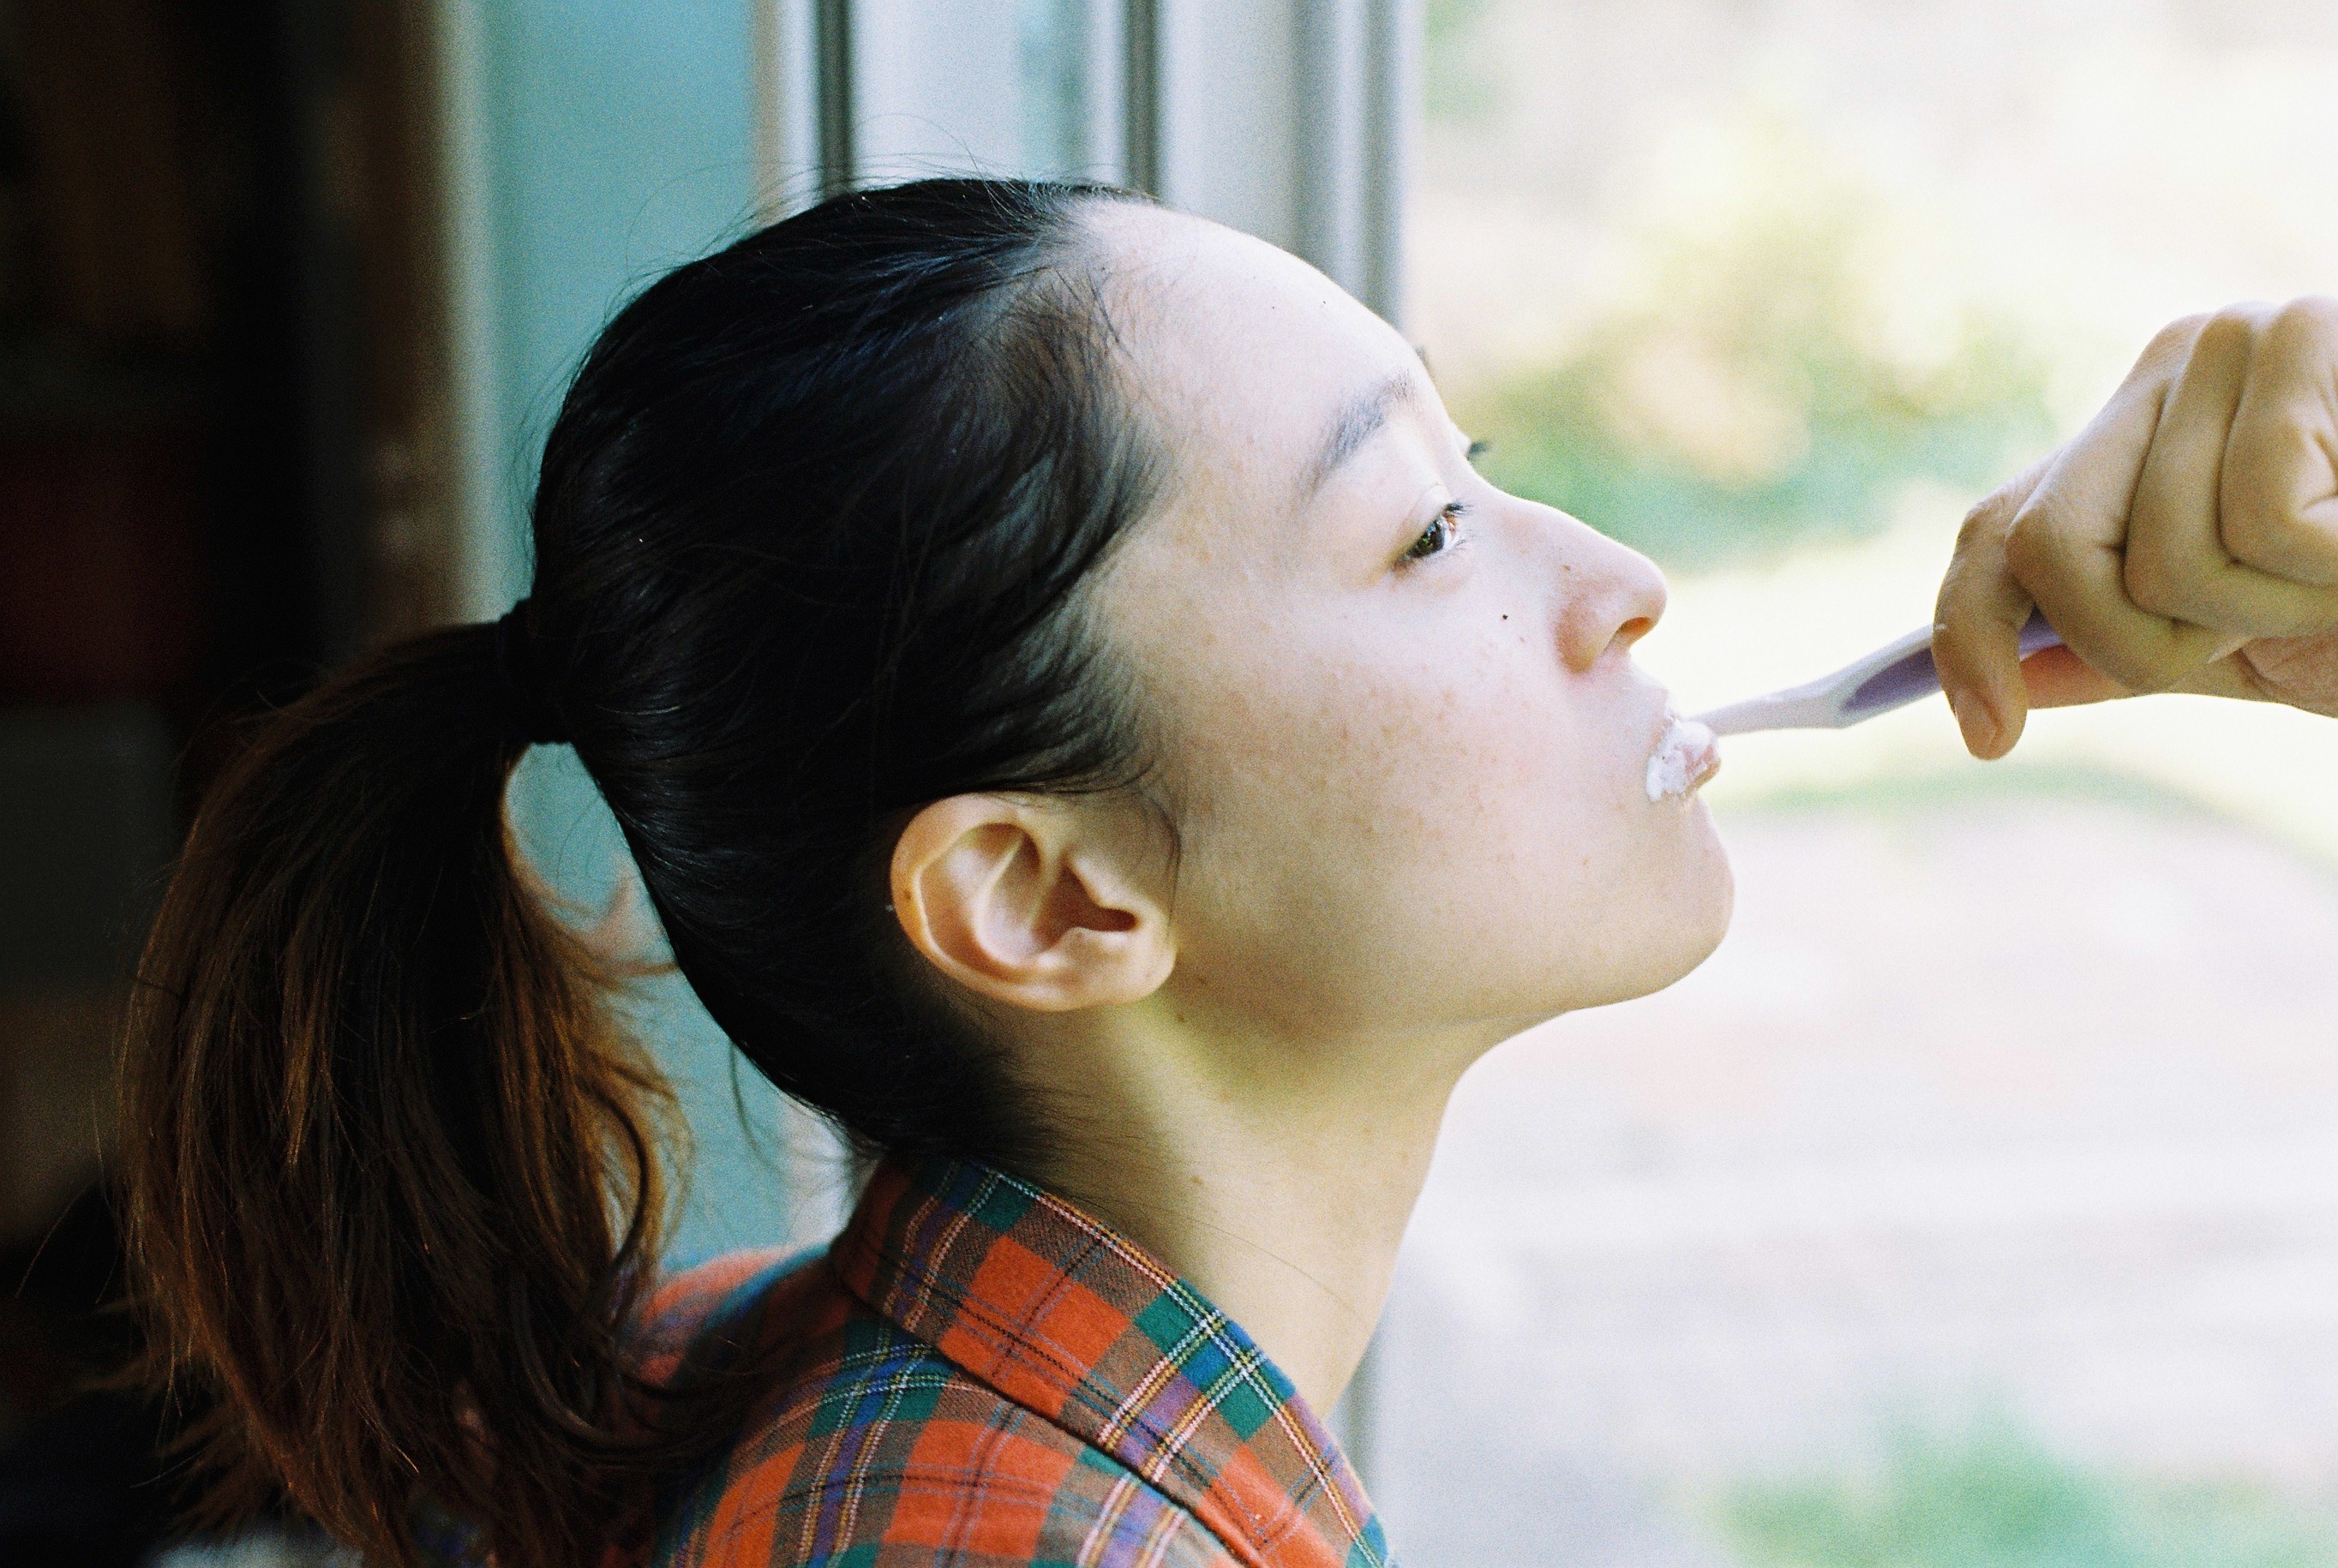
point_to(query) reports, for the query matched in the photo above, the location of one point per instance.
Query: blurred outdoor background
(1978, 1202)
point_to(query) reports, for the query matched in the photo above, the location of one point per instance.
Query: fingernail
(1974, 717)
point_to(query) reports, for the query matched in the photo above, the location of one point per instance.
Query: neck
(1282, 1196)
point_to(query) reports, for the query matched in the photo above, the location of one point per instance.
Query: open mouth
(1687, 755)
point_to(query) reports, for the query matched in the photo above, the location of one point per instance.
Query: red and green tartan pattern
(978, 1374)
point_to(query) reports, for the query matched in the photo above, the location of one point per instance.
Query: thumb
(1977, 624)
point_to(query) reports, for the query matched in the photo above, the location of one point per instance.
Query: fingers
(2178, 564)
(1986, 596)
(2067, 547)
(2279, 495)
(1977, 624)
(2196, 514)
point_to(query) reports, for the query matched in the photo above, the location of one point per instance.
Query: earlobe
(1006, 896)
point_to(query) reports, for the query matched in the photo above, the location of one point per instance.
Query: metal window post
(1292, 118)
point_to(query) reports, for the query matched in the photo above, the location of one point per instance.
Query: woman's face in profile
(1400, 725)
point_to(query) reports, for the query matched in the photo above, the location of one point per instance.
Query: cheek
(1374, 757)
(1372, 812)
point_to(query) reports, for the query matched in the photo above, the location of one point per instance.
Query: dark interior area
(219, 407)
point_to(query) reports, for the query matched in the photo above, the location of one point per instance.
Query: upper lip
(1668, 714)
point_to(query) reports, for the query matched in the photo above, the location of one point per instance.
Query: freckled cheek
(1389, 762)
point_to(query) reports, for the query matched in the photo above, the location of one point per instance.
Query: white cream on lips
(1685, 757)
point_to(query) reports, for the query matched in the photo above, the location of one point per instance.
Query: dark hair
(810, 538)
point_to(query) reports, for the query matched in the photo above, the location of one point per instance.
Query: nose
(1610, 595)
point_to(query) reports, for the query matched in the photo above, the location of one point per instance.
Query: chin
(1670, 938)
(1709, 922)
(1708, 895)
(1682, 928)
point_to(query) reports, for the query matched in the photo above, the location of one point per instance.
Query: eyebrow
(1358, 420)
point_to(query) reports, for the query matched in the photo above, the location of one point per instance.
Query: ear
(1036, 903)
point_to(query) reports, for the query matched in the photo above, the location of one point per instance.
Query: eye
(1442, 533)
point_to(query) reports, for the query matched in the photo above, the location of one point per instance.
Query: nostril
(1637, 627)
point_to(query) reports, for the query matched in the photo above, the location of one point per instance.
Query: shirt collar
(1076, 1323)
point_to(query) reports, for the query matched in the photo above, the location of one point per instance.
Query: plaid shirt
(977, 1373)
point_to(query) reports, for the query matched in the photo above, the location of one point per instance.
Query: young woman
(1083, 727)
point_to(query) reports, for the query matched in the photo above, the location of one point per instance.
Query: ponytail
(811, 539)
(393, 1178)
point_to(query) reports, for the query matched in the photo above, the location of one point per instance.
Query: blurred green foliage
(1459, 85)
(1759, 386)
(1994, 1498)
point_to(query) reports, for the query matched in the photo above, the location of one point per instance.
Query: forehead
(1242, 353)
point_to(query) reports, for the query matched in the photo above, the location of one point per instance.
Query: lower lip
(1684, 757)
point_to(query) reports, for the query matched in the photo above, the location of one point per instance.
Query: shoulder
(727, 1298)
(872, 1450)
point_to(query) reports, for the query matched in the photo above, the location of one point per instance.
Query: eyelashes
(1443, 534)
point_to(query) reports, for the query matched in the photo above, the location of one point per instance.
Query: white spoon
(1887, 678)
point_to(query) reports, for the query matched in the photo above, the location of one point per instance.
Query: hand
(2187, 540)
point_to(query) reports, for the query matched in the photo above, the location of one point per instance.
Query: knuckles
(2233, 331)
(1984, 523)
(2310, 319)
(2260, 521)
(2030, 548)
(2170, 345)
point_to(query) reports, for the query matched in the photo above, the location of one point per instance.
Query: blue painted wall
(605, 142)
(617, 140)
